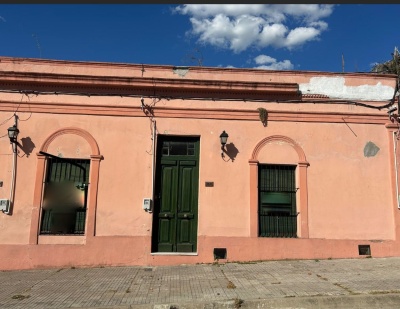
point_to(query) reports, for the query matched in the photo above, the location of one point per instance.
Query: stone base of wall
(136, 251)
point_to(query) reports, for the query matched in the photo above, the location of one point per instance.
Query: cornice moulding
(199, 69)
(196, 113)
(99, 84)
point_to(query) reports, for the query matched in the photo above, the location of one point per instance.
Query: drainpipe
(396, 139)
(396, 169)
(14, 169)
(153, 163)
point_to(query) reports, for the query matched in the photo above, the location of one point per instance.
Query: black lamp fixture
(13, 134)
(223, 138)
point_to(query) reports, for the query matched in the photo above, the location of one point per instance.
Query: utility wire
(154, 96)
(16, 110)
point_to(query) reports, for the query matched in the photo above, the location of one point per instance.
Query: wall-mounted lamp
(223, 138)
(13, 134)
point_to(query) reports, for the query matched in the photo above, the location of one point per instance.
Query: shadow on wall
(27, 145)
(370, 149)
(231, 151)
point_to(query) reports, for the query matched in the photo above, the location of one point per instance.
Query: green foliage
(391, 66)
(263, 114)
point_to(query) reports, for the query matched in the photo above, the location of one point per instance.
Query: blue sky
(309, 37)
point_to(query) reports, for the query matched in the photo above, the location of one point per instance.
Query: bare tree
(194, 57)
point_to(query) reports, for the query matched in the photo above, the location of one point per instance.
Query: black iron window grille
(65, 196)
(277, 201)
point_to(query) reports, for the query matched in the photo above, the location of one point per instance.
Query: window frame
(95, 158)
(67, 174)
(277, 212)
(302, 205)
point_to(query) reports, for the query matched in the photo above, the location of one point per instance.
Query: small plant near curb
(20, 297)
(247, 262)
(231, 285)
(345, 288)
(384, 292)
(237, 303)
(323, 278)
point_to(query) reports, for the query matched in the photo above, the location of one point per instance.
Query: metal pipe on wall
(395, 140)
(154, 137)
(14, 169)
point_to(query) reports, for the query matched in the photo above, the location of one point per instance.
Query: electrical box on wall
(147, 204)
(4, 205)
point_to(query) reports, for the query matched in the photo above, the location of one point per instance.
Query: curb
(361, 301)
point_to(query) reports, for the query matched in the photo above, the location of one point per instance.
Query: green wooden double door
(176, 194)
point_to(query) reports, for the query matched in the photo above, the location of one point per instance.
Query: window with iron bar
(277, 200)
(65, 196)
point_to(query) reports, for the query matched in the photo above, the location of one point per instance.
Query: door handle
(166, 215)
(185, 215)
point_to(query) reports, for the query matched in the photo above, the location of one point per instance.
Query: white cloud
(273, 35)
(263, 59)
(301, 35)
(282, 65)
(268, 63)
(310, 12)
(209, 10)
(241, 26)
(319, 24)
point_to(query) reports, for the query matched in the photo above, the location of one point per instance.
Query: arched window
(278, 198)
(65, 195)
(65, 191)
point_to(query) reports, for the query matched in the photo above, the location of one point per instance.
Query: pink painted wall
(351, 197)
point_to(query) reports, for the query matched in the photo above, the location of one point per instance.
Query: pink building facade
(122, 164)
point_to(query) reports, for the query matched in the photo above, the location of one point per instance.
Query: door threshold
(175, 253)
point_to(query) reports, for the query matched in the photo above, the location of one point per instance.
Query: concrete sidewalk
(347, 283)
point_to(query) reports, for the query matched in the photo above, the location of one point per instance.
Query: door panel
(169, 188)
(187, 222)
(164, 241)
(187, 194)
(168, 202)
(176, 195)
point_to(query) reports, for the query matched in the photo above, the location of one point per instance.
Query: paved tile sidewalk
(126, 287)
